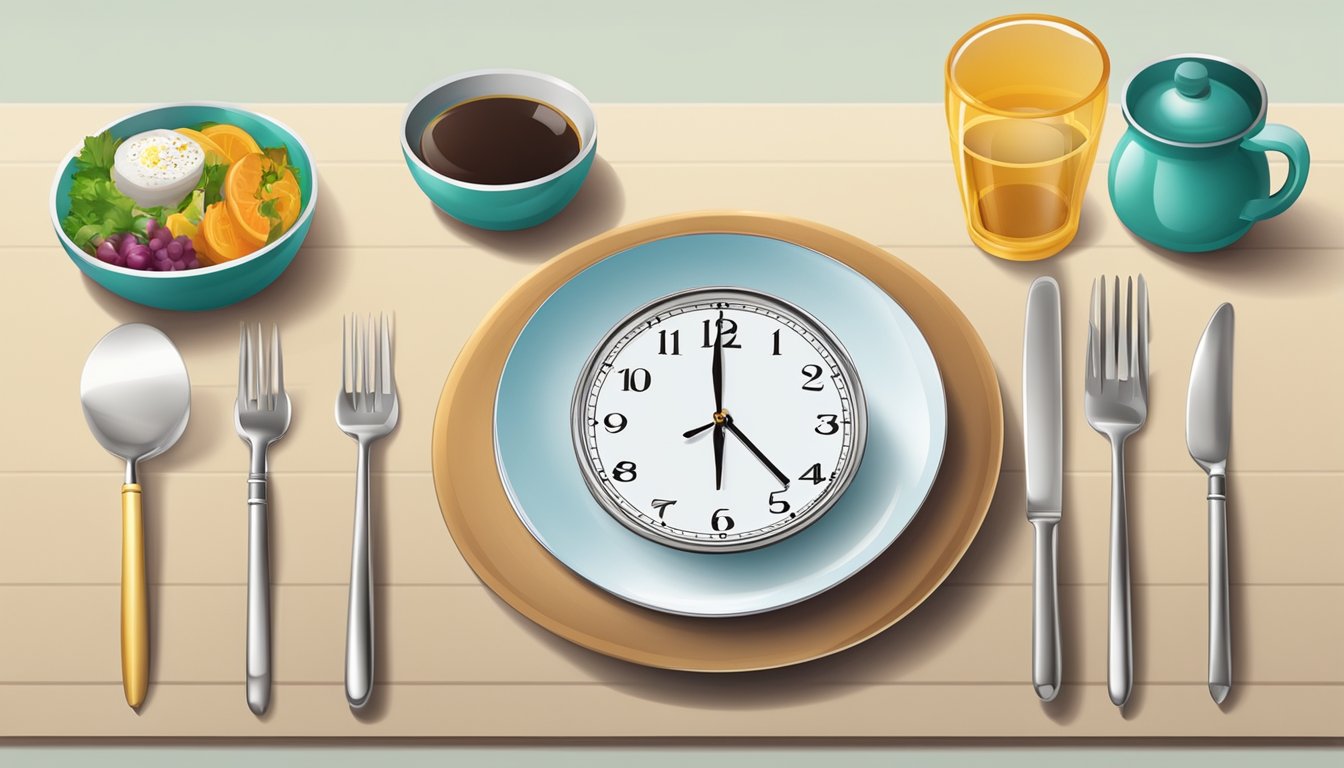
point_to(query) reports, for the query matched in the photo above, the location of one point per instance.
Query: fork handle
(1220, 625)
(1120, 649)
(359, 618)
(258, 596)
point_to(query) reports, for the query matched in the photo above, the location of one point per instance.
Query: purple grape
(107, 251)
(174, 249)
(193, 264)
(124, 247)
(150, 227)
(141, 251)
(138, 260)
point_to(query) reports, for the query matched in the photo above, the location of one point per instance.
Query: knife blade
(1043, 439)
(1208, 435)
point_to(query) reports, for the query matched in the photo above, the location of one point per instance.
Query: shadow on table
(1278, 255)
(595, 209)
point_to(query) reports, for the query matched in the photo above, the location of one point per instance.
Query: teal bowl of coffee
(500, 149)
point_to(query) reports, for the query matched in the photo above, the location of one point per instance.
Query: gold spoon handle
(134, 598)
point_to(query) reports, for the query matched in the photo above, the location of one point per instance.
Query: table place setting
(710, 471)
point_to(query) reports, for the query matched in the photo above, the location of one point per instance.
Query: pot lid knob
(1192, 80)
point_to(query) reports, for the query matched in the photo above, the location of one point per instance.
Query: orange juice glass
(1025, 98)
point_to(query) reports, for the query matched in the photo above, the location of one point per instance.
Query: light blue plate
(907, 426)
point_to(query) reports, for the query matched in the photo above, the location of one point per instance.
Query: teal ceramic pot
(207, 287)
(1190, 173)
(500, 206)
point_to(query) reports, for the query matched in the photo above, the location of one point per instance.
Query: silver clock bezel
(819, 508)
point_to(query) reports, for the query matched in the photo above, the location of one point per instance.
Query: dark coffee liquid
(499, 140)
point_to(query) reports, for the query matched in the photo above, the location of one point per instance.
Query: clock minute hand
(756, 452)
(716, 368)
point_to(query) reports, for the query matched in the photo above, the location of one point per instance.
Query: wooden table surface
(456, 662)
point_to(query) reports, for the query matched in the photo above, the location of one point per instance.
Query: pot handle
(1279, 138)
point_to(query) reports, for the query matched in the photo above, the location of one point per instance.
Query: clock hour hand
(756, 452)
(693, 432)
(718, 457)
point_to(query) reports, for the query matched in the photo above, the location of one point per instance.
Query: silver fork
(1116, 401)
(366, 410)
(261, 416)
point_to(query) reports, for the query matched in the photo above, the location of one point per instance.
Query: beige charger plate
(504, 555)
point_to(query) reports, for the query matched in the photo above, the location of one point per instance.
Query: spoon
(136, 399)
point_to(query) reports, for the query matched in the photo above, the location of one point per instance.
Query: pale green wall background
(677, 50)
(613, 50)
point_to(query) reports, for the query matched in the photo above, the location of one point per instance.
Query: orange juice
(1025, 98)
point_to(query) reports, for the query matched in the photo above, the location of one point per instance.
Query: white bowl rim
(262, 251)
(584, 151)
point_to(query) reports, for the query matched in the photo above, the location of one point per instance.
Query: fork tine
(388, 385)
(1123, 332)
(377, 369)
(1144, 331)
(368, 365)
(1090, 372)
(251, 370)
(1131, 343)
(1113, 333)
(1107, 369)
(345, 355)
(277, 362)
(263, 383)
(357, 364)
(242, 366)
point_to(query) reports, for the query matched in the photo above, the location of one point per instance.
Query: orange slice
(253, 181)
(234, 141)
(224, 239)
(202, 249)
(214, 154)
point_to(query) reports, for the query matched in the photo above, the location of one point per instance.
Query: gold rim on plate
(520, 571)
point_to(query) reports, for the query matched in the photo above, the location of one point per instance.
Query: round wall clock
(718, 420)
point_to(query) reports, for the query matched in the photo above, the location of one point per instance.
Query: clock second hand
(728, 423)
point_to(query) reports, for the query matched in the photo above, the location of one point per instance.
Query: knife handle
(1220, 624)
(1045, 660)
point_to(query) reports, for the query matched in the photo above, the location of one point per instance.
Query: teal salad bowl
(500, 206)
(208, 287)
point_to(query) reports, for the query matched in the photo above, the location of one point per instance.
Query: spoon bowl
(135, 393)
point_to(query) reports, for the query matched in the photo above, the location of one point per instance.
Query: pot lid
(1194, 99)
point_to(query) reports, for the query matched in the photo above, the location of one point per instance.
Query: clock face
(718, 420)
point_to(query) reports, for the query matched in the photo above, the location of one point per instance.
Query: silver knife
(1208, 433)
(1043, 437)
